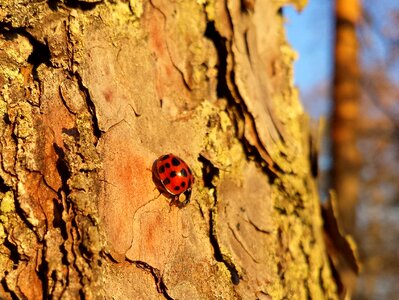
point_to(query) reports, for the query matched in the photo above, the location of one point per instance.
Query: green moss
(2, 234)
(23, 121)
(220, 143)
(136, 6)
(21, 53)
(210, 9)
(125, 12)
(7, 203)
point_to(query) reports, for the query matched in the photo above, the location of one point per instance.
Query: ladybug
(173, 177)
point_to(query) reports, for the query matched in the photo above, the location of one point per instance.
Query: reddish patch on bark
(108, 95)
(137, 223)
(51, 124)
(157, 37)
(157, 234)
(127, 186)
(169, 81)
(39, 197)
(29, 283)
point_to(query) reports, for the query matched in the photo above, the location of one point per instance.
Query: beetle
(172, 177)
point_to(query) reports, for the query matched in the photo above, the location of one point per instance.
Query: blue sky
(311, 35)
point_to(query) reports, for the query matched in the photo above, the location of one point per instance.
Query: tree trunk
(93, 92)
(346, 157)
(346, 97)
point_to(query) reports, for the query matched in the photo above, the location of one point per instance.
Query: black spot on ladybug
(175, 161)
(166, 181)
(173, 174)
(183, 172)
(176, 188)
(161, 169)
(183, 184)
(167, 165)
(165, 157)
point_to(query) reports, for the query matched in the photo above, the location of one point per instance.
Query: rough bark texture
(92, 92)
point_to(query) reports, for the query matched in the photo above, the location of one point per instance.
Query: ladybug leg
(174, 201)
(186, 201)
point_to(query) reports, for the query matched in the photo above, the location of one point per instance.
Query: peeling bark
(93, 92)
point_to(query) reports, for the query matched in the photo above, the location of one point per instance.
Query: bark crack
(209, 172)
(242, 244)
(168, 48)
(76, 4)
(92, 108)
(306, 280)
(257, 228)
(237, 109)
(12, 293)
(161, 287)
(40, 51)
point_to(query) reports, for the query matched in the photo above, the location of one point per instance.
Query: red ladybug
(173, 177)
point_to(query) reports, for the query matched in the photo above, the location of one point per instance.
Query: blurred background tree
(344, 117)
(374, 220)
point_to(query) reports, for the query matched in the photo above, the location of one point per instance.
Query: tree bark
(93, 92)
